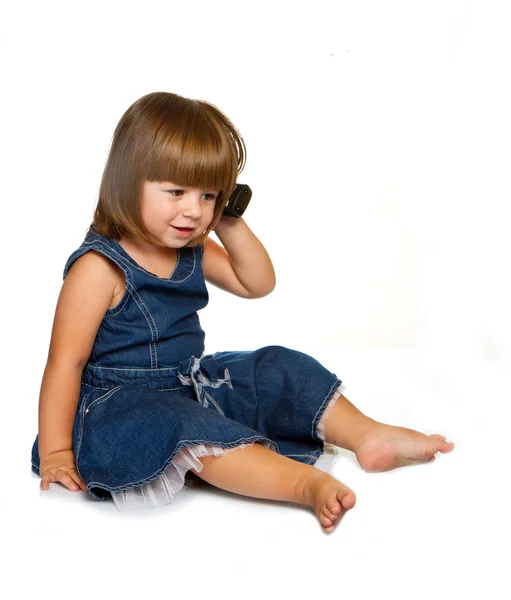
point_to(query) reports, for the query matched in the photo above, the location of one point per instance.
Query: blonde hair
(166, 137)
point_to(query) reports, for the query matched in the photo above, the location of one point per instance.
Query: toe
(325, 521)
(442, 444)
(347, 499)
(427, 453)
(332, 504)
(447, 447)
(328, 513)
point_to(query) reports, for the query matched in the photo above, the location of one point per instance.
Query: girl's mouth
(183, 231)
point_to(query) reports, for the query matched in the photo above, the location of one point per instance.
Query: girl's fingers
(45, 483)
(76, 476)
(66, 480)
(71, 480)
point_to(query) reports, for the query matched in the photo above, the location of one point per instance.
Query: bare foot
(386, 447)
(329, 499)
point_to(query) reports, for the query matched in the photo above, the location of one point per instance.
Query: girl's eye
(178, 193)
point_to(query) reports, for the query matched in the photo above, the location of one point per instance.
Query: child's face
(176, 214)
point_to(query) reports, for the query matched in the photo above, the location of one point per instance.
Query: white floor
(439, 529)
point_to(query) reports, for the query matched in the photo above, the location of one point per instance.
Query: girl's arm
(242, 266)
(85, 296)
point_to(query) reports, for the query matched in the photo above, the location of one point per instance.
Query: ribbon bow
(203, 372)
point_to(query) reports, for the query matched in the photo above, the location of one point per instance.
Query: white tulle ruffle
(162, 490)
(321, 424)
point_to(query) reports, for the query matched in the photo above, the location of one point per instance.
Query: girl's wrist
(227, 223)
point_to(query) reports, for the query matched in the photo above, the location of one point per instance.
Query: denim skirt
(133, 424)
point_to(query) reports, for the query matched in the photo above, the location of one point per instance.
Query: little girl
(129, 401)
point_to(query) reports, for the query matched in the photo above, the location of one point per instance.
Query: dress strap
(102, 245)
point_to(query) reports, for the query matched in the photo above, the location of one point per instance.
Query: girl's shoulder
(86, 295)
(93, 265)
(102, 248)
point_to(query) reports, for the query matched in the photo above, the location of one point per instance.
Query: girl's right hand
(61, 467)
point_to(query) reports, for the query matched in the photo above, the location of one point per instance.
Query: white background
(379, 145)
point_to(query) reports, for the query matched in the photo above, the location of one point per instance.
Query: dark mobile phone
(238, 201)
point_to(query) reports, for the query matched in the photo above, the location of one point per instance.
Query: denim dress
(152, 402)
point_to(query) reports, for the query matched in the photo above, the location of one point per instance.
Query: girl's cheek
(168, 213)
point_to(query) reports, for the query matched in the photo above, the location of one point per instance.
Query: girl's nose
(192, 206)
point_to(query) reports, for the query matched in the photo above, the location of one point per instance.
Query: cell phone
(238, 201)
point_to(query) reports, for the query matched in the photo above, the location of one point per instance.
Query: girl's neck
(156, 260)
(143, 249)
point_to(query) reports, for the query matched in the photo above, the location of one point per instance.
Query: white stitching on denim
(153, 329)
(173, 389)
(135, 293)
(104, 397)
(152, 354)
(178, 260)
(110, 251)
(145, 306)
(191, 272)
(132, 368)
(213, 401)
(80, 429)
(302, 455)
(118, 308)
(156, 474)
(95, 387)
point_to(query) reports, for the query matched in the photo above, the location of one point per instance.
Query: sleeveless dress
(152, 403)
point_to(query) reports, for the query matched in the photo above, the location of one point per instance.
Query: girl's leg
(259, 472)
(379, 447)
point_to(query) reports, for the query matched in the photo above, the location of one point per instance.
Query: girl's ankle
(305, 485)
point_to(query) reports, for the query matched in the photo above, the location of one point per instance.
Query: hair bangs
(194, 151)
